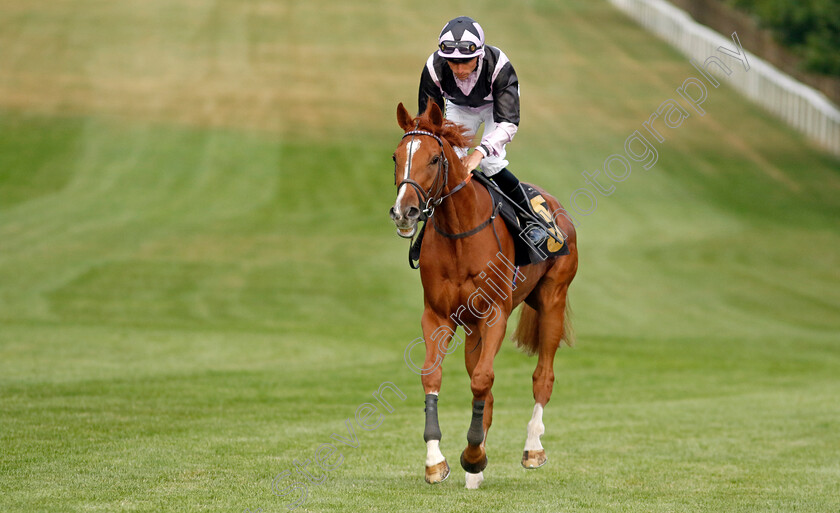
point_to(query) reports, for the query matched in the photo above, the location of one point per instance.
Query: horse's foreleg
(437, 333)
(474, 457)
(472, 350)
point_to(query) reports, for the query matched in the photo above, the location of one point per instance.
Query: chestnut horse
(468, 280)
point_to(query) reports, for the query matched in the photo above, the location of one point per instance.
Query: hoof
(437, 473)
(473, 481)
(534, 459)
(474, 468)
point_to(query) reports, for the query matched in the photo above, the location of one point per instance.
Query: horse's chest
(470, 300)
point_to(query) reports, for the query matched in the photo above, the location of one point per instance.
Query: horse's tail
(568, 329)
(527, 334)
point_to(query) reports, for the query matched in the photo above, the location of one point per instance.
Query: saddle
(527, 252)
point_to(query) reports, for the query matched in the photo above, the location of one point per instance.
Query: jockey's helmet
(461, 38)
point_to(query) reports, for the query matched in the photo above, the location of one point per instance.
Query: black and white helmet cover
(461, 38)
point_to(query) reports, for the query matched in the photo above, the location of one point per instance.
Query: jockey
(474, 83)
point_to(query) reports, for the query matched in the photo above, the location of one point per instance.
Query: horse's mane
(451, 132)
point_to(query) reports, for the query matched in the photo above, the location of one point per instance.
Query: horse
(469, 280)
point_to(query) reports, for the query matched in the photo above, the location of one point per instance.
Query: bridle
(434, 196)
(433, 199)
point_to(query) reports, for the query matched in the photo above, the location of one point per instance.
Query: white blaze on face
(413, 145)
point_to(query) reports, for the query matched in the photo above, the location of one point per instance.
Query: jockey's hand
(472, 160)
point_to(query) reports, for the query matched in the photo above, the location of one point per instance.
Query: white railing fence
(801, 106)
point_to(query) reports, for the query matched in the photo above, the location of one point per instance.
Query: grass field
(199, 281)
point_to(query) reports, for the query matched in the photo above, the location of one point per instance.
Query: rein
(469, 233)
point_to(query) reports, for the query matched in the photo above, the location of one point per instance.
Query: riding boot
(510, 185)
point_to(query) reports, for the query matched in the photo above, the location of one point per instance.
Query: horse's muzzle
(406, 223)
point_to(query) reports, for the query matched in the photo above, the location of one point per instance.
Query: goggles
(464, 46)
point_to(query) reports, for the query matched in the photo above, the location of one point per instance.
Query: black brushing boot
(509, 185)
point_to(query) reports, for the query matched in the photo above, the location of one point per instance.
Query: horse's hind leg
(551, 332)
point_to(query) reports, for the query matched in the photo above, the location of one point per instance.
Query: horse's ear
(404, 118)
(435, 115)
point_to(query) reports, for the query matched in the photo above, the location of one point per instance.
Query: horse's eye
(394, 157)
(435, 159)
